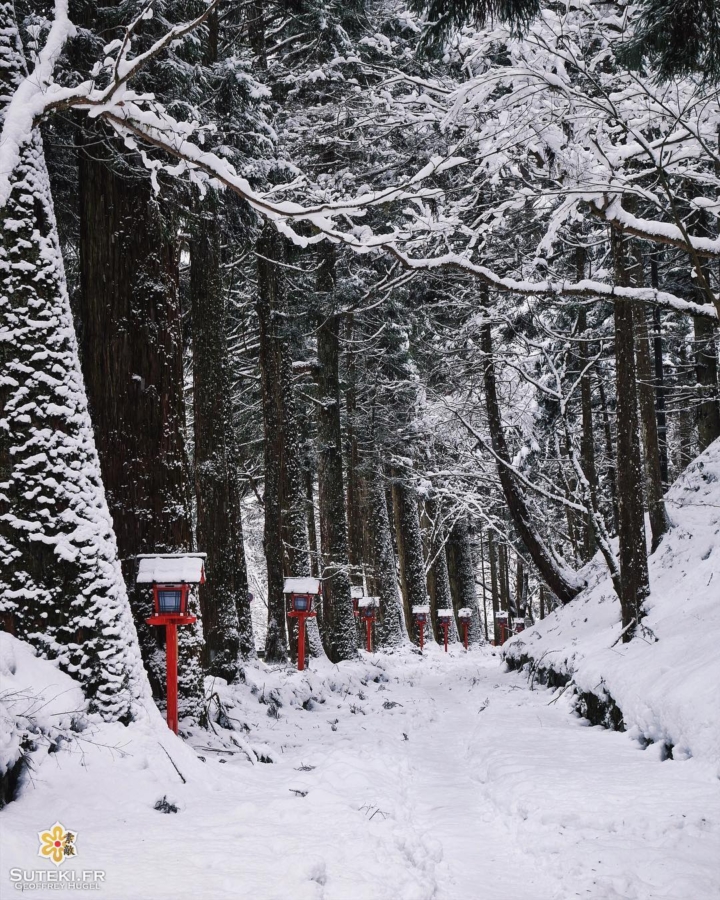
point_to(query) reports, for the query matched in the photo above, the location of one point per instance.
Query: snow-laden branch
(138, 118)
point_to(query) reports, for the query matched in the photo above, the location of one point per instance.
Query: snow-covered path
(444, 779)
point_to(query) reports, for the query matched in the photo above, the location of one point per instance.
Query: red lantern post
(420, 614)
(171, 575)
(444, 617)
(367, 609)
(465, 617)
(302, 593)
(518, 624)
(502, 620)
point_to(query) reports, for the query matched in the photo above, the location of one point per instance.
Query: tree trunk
(492, 553)
(132, 358)
(410, 550)
(659, 376)
(355, 487)
(563, 581)
(659, 522)
(312, 527)
(340, 634)
(270, 303)
(438, 580)
(631, 518)
(390, 629)
(587, 439)
(706, 370)
(61, 587)
(461, 572)
(610, 453)
(227, 624)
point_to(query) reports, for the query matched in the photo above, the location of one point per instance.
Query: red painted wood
(445, 626)
(171, 660)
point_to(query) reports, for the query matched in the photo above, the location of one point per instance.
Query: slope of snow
(396, 777)
(666, 681)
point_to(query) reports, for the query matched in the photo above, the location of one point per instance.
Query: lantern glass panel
(170, 602)
(301, 604)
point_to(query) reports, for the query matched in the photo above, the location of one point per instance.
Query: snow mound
(665, 681)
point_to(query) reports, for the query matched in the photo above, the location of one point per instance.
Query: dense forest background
(434, 309)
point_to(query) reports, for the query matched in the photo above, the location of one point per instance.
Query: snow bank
(38, 702)
(665, 681)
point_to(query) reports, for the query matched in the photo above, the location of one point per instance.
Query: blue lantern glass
(169, 602)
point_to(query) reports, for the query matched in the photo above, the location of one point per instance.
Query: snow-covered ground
(666, 681)
(398, 777)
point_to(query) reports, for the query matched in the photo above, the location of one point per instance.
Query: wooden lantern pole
(171, 676)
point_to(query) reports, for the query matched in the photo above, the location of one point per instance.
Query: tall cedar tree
(62, 589)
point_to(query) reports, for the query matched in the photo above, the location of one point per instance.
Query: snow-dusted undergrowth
(665, 681)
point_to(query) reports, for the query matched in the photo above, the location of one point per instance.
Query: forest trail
(435, 778)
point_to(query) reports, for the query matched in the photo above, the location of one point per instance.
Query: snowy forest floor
(398, 777)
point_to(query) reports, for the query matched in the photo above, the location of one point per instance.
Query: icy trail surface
(405, 778)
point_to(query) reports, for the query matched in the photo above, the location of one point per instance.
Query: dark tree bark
(561, 580)
(659, 371)
(438, 580)
(609, 453)
(484, 587)
(227, 623)
(631, 520)
(659, 522)
(461, 572)
(339, 634)
(410, 550)
(391, 628)
(312, 527)
(494, 589)
(357, 541)
(132, 359)
(706, 370)
(273, 368)
(587, 438)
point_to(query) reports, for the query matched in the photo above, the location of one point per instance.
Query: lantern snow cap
(356, 595)
(171, 575)
(419, 611)
(302, 592)
(444, 613)
(464, 613)
(368, 605)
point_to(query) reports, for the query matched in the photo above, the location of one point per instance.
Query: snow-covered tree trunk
(587, 439)
(391, 628)
(494, 589)
(438, 580)
(132, 359)
(659, 375)
(269, 305)
(631, 519)
(461, 570)
(227, 623)
(659, 522)
(410, 550)
(285, 537)
(340, 632)
(61, 587)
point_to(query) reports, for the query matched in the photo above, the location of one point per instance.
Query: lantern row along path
(397, 777)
